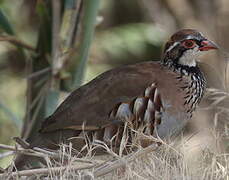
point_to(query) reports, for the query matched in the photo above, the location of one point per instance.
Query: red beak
(207, 45)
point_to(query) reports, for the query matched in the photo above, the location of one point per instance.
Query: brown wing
(92, 103)
(141, 112)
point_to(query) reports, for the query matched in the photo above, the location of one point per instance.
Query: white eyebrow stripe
(171, 47)
(201, 34)
(189, 37)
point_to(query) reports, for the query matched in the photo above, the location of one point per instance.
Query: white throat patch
(189, 57)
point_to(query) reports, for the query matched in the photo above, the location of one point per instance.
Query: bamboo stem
(88, 26)
(56, 22)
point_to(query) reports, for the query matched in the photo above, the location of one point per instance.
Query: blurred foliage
(53, 51)
(45, 58)
(4, 24)
(130, 43)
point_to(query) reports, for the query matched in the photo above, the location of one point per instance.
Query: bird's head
(185, 46)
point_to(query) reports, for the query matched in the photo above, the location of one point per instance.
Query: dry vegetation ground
(170, 161)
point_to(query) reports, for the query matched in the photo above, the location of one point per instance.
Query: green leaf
(11, 115)
(5, 24)
(51, 102)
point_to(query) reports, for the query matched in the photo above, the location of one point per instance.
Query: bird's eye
(189, 43)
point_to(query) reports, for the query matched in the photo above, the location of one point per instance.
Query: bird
(157, 98)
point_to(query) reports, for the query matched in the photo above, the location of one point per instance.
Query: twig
(74, 24)
(100, 170)
(111, 166)
(21, 142)
(39, 95)
(45, 171)
(38, 152)
(17, 42)
(10, 148)
(6, 154)
(38, 73)
(29, 152)
(24, 130)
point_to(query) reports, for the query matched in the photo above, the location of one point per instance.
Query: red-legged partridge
(156, 97)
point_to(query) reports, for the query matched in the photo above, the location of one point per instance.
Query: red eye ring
(189, 43)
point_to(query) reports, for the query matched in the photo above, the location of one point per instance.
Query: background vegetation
(48, 48)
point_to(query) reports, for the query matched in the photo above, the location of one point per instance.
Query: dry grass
(167, 162)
